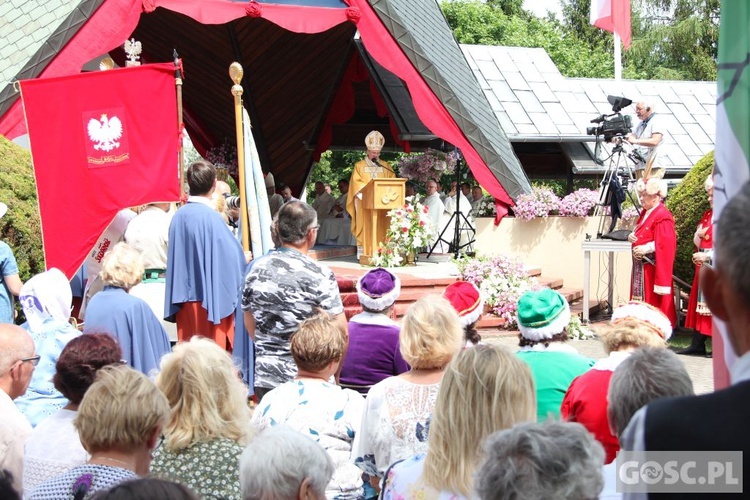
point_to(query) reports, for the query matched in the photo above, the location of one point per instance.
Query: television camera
(615, 124)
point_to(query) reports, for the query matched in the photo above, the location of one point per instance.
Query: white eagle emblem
(105, 132)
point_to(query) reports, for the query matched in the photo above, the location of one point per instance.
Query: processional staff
(236, 73)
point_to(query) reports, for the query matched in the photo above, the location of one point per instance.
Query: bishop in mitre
(364, 171)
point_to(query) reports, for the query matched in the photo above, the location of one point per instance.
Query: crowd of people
(346, 409)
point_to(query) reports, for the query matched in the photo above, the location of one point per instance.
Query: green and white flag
(732, 156)
(733, 103)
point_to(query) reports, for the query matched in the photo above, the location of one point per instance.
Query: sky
(540, 7)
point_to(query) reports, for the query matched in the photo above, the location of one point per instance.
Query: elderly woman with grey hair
(541, 460)
(648, 374)
(283, 464)
(129, 319)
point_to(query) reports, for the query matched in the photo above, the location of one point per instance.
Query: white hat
(646, 313)
(270, 180)
(374, 141)
(378, 289)
(3, 209)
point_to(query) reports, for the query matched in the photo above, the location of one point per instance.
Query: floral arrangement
(502, 280)
(486, 207)
(432, 164)
(409, 231)
(576, 330)
(579, 203)
(224, 157)
(540, 203)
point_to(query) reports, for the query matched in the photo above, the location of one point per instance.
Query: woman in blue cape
(129, 319)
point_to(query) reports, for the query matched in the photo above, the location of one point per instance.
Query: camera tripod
(618, 181)
(458, 224)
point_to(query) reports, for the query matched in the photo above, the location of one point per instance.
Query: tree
(21, 227)
(672, 39)
(473, 22)
(676, 39)
(509, 7)
(687, 202)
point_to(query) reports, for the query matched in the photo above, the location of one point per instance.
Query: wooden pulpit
(378, 197)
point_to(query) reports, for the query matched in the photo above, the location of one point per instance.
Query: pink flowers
(540, 203)
(224, 156)
(543, 202)
(579, 203)
(502, 281)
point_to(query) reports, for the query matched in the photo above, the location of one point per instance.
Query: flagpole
(181, 155)
(618, 58)
(236, 73)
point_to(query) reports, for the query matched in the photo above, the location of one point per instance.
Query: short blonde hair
(318, 341)
(485, 389)
(629, 332)
(431, 333)
(120, 410)
(206, 397)
(122, 267)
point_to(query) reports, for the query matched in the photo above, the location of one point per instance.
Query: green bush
(21, 227)
(687, 202)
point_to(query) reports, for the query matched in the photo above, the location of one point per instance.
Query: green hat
(542, 314)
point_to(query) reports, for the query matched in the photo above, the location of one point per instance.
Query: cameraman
(647, 138)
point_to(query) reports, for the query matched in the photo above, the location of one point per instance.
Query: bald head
(15, 344)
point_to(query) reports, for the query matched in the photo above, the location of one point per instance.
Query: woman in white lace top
(396, 418)
(54, 446)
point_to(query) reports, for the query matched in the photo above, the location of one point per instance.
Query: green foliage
(688, 202)
(560, 186)
(675, 39)
(336, 165)
(473, 22)
(21, 227)
(671, 39)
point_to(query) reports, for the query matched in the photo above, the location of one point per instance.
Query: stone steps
(413, 288)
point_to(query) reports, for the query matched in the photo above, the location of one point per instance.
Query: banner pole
(618, 58)
(236, 73)
(180, 126)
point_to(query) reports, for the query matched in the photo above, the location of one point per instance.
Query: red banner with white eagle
(100, 142)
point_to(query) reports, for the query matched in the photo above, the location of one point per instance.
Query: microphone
(382, 165)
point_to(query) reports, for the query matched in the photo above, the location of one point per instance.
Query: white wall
(554, 245)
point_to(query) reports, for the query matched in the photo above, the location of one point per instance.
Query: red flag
(612, 16)
(100, 142)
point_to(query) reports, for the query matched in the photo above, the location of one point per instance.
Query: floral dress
(395, 423)
(326, 413)
(211, 469)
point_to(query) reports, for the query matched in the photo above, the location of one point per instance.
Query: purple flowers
(224, 156)
(432, 164)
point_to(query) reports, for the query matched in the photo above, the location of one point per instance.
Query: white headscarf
(46, 295)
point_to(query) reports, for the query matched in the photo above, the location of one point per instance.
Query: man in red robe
(654, 246)
(698, 316)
